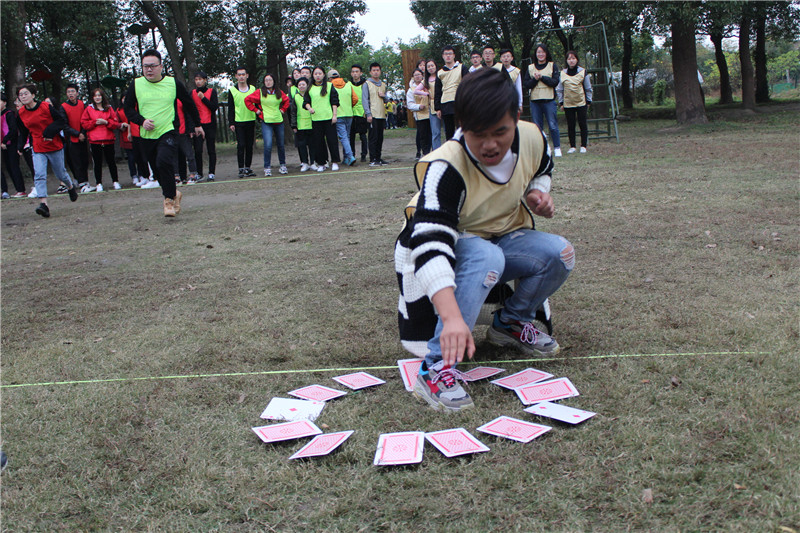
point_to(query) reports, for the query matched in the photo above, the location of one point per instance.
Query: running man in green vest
(151, 102)
(242, 121)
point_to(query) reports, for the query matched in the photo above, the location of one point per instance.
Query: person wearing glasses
(151, 103)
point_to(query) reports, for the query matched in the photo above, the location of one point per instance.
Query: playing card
(287, 431)
(291, 409)
(454, 442)
(409, 368)
(400, 448)
(359, 380)
(482, 372)
(318, 393)
(570, 415)
(547, 391)
(514, 429)
(322, 444)
(522, 378)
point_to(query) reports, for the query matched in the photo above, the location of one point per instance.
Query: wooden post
(410, 59)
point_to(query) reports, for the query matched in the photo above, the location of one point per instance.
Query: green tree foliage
(387, 56)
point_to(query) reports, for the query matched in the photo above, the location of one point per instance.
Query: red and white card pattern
(322, 444)
(454, 442)
(547, 391)
(522, 378)
(482, 372)
(570, 415)
(514, 429)
(409, 368)
(287, 431)
(317, 393)
(359, 380)
(400, 448)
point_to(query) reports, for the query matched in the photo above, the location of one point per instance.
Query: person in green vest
(300, 122)
(242, 121)
(344, 115)
(471, 227)
(322, 101)
(359, 125)
(151, 102)
(269, 104)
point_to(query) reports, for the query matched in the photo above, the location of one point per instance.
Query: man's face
(152, 68)
(475, 59)
(241, 76)
(449, 56)
(490, 145)
(488, 57)
(199, 81)
(25, 97)
(306, 73)
(355, 73)
(72, 94)
(375, 72)
(506, 59)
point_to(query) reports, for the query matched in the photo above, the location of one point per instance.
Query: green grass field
(679, 327)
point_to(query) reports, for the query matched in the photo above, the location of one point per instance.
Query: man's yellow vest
(376, 105)
(450, 82)
(241, 113)
(157, 103)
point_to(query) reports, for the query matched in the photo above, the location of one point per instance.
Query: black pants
(211, 143)
(77, 158)
(325, 140)
(140, 157)
(424, 136)
(571, 113)
(304, 140)
(100, 151)
(376, 138)
(161, 154)
(449, 126)
(245, 137)
(11, 168)
(360, 127)
(185, 155)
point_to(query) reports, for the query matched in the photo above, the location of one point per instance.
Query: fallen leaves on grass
(674, 381)
(647, 495)
(738, 487)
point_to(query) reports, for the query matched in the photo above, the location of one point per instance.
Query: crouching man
(470, 227)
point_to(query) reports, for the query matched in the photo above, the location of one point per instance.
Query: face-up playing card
(482, 372)
(291, 409)
(400, 448)
(454, 442)
(322, 445)
(409, 368)
(522, 378)
(570, 415)
(547, 391)
(359, 380)
(514, 429)
(317, 393)
(287, 431)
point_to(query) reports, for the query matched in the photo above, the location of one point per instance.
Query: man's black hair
(483, 98)
(30, 86)
(152, 52)
(241, 67)
(489, 47)
(71, 86)
(504, 50)
(375, 64)
(303, 78)
(474, 53)
(448, 47)
(359, 67)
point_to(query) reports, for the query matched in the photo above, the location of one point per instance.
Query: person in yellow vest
(506, 59)
(541, 79)
(436, 123)
(269, 104)
(447, 82)
(322, 101)
(417, 100)
(300, 122)
(242, 122)
(360, 125)
(205, 99)
(151, 103)
(373, 98)
(475, 60)
(344, 114)
(471, 227)
(574, 93)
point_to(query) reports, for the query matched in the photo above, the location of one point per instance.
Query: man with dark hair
(360, 124)
(242, 121)
(447, 80)
(205, 100)
(77, 146)
(475, 60)
(471, 227)
(373, 98)
(152, 103)
(488, 58)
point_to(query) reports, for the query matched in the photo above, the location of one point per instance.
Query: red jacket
(123, 133)
(253, 101)
(103, 133)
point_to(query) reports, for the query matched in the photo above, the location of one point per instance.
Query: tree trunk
(725, 90)
(555, 18)
(762, 81)
(16, 52)
(627, 54)
(748, 81)
(169, 39)
(181, 18)
(689, 106)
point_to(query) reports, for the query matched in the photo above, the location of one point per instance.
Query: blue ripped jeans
(539, 261)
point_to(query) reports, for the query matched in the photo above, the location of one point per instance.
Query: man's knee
(567, 254)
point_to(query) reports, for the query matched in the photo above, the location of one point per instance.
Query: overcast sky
(389, 19)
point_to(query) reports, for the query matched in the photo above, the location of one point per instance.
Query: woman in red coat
(100, 121)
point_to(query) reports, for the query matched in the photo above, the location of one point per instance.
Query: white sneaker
(334, 166)
(117, 186)
(99, 187)
(87, 188)
(583, 149)
(151, 184)
(211, 177)
(571, 150)
(304, 167)
(314, 166)
(557, 152)
(327, 163)
(320, 169)
(267, 172)
(32, 194)
(283, 169)
(135, 180)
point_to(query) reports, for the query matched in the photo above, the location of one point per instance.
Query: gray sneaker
(522, 336)
(442, 391)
